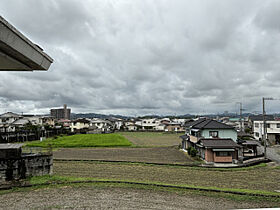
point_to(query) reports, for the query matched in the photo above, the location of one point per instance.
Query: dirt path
(89, 197)
(168, 155)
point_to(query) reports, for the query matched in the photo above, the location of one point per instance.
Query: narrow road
(273, 153)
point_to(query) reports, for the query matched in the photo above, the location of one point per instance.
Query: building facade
(63, 113)
(272, 130)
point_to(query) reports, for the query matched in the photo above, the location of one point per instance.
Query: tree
(192, 151)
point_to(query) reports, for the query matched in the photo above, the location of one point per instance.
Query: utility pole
(264, 127)
(264, 124)
(240, 116)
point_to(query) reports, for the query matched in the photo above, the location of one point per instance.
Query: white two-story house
(273, 130)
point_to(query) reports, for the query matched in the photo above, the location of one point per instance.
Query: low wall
(26, 165)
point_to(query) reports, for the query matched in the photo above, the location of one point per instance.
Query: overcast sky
(137, 57)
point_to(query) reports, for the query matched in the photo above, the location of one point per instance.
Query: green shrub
(192, 151)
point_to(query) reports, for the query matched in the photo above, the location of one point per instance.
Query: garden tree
(248, 130)
(47, 127)
(192, 151)
(29, 128)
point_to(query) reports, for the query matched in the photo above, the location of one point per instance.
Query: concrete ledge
(18, 53)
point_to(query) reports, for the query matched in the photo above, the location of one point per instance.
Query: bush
(192, 151)
(248, 130)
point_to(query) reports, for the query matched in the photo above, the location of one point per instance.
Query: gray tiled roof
(210, 124)
(260, 117)
(218, 143)
(192, 123)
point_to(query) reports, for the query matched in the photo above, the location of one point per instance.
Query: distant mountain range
(104, 116)
(94, 115)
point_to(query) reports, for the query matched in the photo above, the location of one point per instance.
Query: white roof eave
(18, 53)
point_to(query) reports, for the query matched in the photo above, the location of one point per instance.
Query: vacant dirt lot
(263, 178)
(152, 139)
(90, 197)
(152, 155)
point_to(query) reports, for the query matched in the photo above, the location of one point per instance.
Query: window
(214, 134)
(257, 134)
(268, 125)
(256, 125)
(223, 154)
(278, 125)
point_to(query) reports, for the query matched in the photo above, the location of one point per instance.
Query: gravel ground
(152, 155)
(89, 197)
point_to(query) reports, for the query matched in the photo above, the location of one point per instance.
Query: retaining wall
(26, 165)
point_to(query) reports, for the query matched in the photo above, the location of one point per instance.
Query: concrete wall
(38, 165)
(27, 165)
(223, 133)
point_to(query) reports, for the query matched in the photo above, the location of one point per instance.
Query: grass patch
(53, 179)
(254, 178)
(152, 139)
(83, 140)
(50, 179)
(66, 182)
(192, 166)
(62, 180)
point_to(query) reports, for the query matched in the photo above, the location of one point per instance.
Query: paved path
(273, 153)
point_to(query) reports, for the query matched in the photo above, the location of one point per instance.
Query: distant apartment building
(63, 113)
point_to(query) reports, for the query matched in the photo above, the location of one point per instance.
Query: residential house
(18, 124)
(48, 120)
(103, 125)
(118, 123)
(131, 126)
(6, 119)
(273, 130)
(160, 127)
(254, 118)
(148, 124)
(34, 119)
(165, 121)
(218, 150)
(214, 141)
(174, 127)
(178, 120)
(79, 125)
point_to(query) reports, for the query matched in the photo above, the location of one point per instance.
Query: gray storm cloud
(146, 57)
